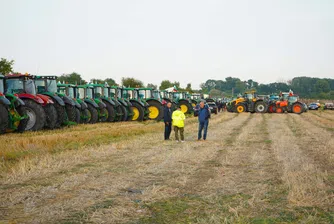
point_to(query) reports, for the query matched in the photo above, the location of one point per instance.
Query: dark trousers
(177, 129)
(168, 130)
(203, 125)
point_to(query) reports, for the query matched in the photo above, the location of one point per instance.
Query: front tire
(260, 107)
(4, 118)
(51, 116)
(240, 108)
(138, 112)
(36, 114)
(24, 122)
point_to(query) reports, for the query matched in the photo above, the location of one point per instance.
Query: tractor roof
(52, 77)
(85, 86)
(19, 75)
(65, 85)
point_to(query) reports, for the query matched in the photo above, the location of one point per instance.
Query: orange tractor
(288, 102)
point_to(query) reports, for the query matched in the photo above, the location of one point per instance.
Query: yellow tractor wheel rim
(184, 108)
(193, 104)
(154, 112)
(240, 109)
(135, 113)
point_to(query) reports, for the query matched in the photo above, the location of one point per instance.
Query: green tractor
(183, 101)
(139, 106)
(101, 91)
(97, 109)
(195, 99)
(65, 107)
(152, 97)
(124, 106)
(13, 114)
(68, 93)
(167, 97)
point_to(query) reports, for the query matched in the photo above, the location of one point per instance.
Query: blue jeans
(203, 125)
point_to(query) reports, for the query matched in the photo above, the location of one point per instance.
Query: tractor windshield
(71, 92)
(156, 95)
(143, 94)
(105, 92)
(119, 93)
(293, 99)
(112, 92)
(134, 94)
(40, 84)
(81, 93)
(98, 92)
(30, 87)
(177, 95)
(51, 85)
(14, 86)
(1, 86)
(89, 93)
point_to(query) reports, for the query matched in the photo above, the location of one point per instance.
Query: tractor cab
(20, 84)
(139, 105)
(2, 85)
(153, 100)
(67, 90)
(46, 84)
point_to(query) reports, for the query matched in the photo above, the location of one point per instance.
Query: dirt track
(253, 168)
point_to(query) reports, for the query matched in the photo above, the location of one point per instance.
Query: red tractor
(288, 102)
(40, 108)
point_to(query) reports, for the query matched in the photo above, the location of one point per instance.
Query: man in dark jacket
(203, 120)
(168, 120)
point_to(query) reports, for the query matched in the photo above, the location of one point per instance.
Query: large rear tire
(36, 114)
(185, 106)
(78, 115)
(60, 114)
(24, 122)
(103, 114)
(297, 108)
(119, 113)
(111, 112)
(84, 116)
(156, 110)
(261, 107)
(4, 118)
(138, 112)
(93, 114)
(272, 108)
(124, 113)
(51, 116)
(71, 113)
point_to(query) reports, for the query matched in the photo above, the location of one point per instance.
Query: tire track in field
(304, 179)
(318, 121)
(316, 142)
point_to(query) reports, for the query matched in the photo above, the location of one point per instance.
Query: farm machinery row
(251, 102)
(31, 103)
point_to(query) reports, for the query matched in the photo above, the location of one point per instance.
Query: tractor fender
(31, 97)
(102, 105)
(77, 105)
(4, 101)
(46, 99)
(137, 101)
(57, 99)
(116, 102)
(91, 102)
(68, 100)
(15, 100)
(154, 100)
(83, 105)
(123, 102)
(109, 101)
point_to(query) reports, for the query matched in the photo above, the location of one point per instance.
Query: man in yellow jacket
(178, 123)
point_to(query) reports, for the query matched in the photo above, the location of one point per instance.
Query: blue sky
(181, 40)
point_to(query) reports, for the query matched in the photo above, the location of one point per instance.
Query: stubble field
(254, 168)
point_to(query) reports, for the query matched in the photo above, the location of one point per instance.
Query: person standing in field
(178, 123)
(168, 120)
(203, 120)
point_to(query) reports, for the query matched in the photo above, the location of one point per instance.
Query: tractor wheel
(103, 114)
(36, 114)
(130, 113)
(119, 113)
(84, 116)
(297, 108)
(92, 114)
(4, 118)
(77, 115)
(279, 110)
(240, 108)
(124, 113)
(71, 113)
(60, 113)
(51, 116)
(24, 122)
(185, 106)
(111, 112)
(260, 107)
(138, 112)
(174, 106)
(272, 108)
(156, 110)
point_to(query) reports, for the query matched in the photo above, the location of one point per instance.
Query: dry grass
(253, 169)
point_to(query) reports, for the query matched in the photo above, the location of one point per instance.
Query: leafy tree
(150, 85)
(215, 93)
(110, 81)
(98, 81)
(322, 86)
(132, 82)
(188, 88)
(73, 78)
(165, 84)
(6, 66)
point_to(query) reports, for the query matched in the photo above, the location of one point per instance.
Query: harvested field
(254, 168)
